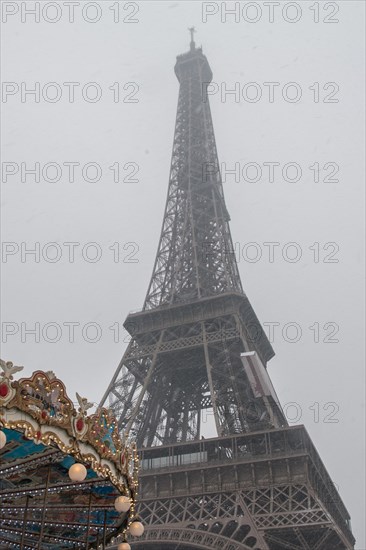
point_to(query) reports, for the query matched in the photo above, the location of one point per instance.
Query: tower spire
(192, 30)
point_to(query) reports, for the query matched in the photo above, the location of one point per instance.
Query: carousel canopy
(61, 470)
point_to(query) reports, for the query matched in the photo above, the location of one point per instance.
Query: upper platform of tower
(191, 63)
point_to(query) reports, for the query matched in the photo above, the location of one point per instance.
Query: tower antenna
(192, 30)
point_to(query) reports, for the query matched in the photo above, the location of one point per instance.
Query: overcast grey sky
(325, 218)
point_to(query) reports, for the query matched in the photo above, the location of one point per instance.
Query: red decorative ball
(4, 390)
(80, 424)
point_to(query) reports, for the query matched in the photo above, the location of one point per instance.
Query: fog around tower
(286, 104)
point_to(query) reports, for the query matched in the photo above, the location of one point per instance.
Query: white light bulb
(122, 503)
(2, 440)
(136, 529)
(77, 472)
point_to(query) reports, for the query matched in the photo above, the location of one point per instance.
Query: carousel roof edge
(39, 407)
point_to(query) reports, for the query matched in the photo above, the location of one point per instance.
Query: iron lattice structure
(184, 361)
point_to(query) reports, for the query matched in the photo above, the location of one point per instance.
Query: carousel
(67, 479)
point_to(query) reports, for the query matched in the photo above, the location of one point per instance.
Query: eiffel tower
(198, 351)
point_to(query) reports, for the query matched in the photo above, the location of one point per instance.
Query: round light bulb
(136, 529)
(122, 504)
(77, 472)
(124, 546)
(2, 440)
